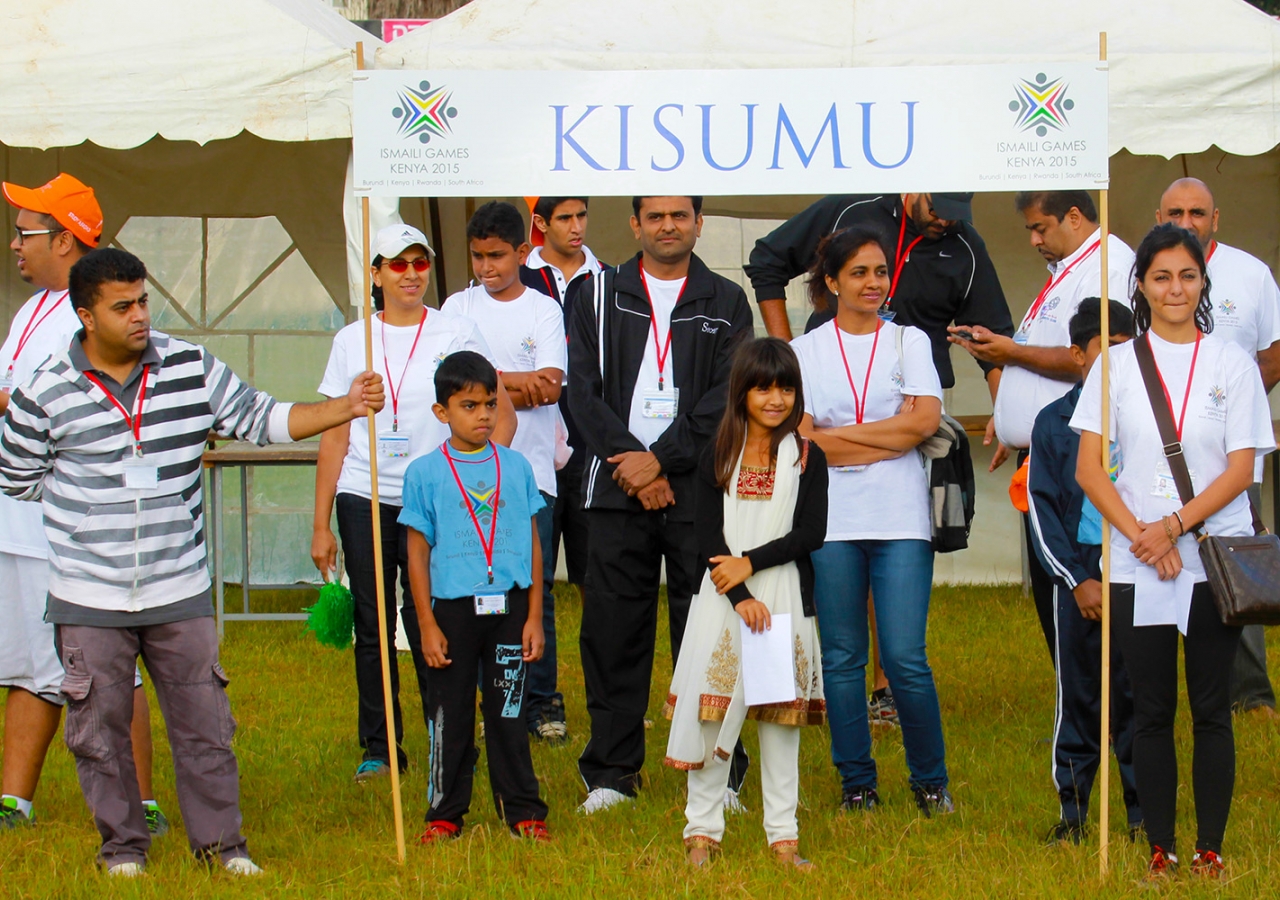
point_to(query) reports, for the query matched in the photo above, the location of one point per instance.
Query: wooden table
(243, 455)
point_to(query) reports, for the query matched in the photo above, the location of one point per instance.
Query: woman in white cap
(409, 341)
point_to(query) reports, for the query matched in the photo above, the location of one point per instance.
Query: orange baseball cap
(536, 237)
(67, 199)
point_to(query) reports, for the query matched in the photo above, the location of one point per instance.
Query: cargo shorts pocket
(82, 731)
(226, 722)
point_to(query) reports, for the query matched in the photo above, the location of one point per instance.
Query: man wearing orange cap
(55, 225)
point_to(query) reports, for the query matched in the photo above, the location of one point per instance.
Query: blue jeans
(541, 684)
(899, 576)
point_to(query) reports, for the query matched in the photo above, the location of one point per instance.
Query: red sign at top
(395, 28)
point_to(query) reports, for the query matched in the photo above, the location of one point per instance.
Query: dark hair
(546, 206)
(497, 219)
(96, 268)
(376, 292)
(459, 371)
(1158, 239)
(636, 201)
(759, 363)
(834, 251)
(1086, 324)
(1057, 203)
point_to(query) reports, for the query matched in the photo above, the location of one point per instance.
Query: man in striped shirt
(108, 434)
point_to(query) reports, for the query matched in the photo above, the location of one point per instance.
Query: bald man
(1246, 310)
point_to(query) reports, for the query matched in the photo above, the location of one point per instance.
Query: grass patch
(319, 835)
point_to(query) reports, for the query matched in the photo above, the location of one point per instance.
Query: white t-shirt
(1023, 393)
(442, 333)
(1226, 411)
(887, 500)
(524, 335)
(49, 328)
(663, 295)
(1246, 301)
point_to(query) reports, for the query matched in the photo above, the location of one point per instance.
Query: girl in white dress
(761, 509)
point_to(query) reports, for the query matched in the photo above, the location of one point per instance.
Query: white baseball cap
(395, 239)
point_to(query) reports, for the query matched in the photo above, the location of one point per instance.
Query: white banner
(457, 133)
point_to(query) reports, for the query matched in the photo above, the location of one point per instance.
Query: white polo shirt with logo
(1023, 393)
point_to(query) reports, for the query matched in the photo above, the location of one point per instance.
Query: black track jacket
(707, 324)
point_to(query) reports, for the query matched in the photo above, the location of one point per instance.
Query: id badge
(1020, 337)
(660, 404)
(141, 474)
(885, 314)
(1163, 485)
(6, 384)
(490, 602)
(393, 444)
(861, 468)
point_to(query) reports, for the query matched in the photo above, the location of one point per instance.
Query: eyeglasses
(23, 235)
(400, 266)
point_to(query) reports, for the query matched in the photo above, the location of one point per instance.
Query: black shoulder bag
(1243, 572)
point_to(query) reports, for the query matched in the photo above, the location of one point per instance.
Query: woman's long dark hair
(375, 291)
(833, 252)
(1158, 239)
(760, 363)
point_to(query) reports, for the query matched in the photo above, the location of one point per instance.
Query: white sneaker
(242, 865)
(602, 798)
(126, 870)
(732, 803)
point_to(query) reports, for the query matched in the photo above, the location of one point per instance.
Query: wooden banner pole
(1104, 736)
(393, 748)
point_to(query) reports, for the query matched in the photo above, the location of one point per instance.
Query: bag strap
(1173, 452)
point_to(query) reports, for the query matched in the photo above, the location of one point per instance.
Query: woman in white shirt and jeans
(872, 395)
(1219, 408)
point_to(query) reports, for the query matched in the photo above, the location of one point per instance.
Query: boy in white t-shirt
(525, 333)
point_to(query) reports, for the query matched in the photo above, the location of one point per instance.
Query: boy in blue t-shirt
(470, 507)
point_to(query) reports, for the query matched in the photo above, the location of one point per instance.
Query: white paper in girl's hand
(1157, 602)
(768, 663)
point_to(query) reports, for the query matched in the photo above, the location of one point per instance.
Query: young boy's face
(470, 414)
(1086, 357)
(496, 263)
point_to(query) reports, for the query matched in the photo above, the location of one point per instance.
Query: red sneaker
(439, 830)
(1207, 863)
(533, 829)
(1162, 865)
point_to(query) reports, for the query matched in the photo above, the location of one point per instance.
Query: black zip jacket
(707, 324)
(808, 526)
(948, 280)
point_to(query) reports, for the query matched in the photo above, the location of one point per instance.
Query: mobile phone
(965, 335)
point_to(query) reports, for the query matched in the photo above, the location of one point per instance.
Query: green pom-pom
(333, 616)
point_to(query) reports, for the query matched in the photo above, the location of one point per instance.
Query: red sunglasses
(400, 266)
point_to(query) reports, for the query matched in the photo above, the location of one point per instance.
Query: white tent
(1194, 89)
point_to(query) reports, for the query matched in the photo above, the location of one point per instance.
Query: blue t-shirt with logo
(434, 506)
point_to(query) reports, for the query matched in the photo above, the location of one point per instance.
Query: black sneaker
(1066, 831)
(934, 800)
(1136, 830)
(882, 709)
(550, 727)
(11, 817)
(862, 798)
(157, 821)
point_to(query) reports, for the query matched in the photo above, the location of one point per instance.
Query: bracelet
(1182, 528)
(1168, 530)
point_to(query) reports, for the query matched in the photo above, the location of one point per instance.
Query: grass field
(319, 835)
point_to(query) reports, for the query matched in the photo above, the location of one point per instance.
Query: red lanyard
(859, 407)
(552, 290)
(900, 258)
(1186, 395)
(660, 350)
(34, 323)
(394, 386)
(493, 506)
(1052, 283)
(135, 421)
(1213, 248)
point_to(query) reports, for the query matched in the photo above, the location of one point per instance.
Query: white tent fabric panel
(120, 72)
(1184, 74)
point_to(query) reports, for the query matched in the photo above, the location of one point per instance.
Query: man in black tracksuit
(1068, 540)
(647, 385)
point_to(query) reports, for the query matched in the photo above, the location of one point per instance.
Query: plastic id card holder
(660, 404)
(141, 474)
(393, 444)
(1163, 485)
(490, 602)
(6, 384)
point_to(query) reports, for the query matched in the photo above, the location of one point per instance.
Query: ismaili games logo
(1041, 104)
(1217, 396)
(425, 111)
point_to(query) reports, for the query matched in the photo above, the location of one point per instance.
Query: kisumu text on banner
(461, 133)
